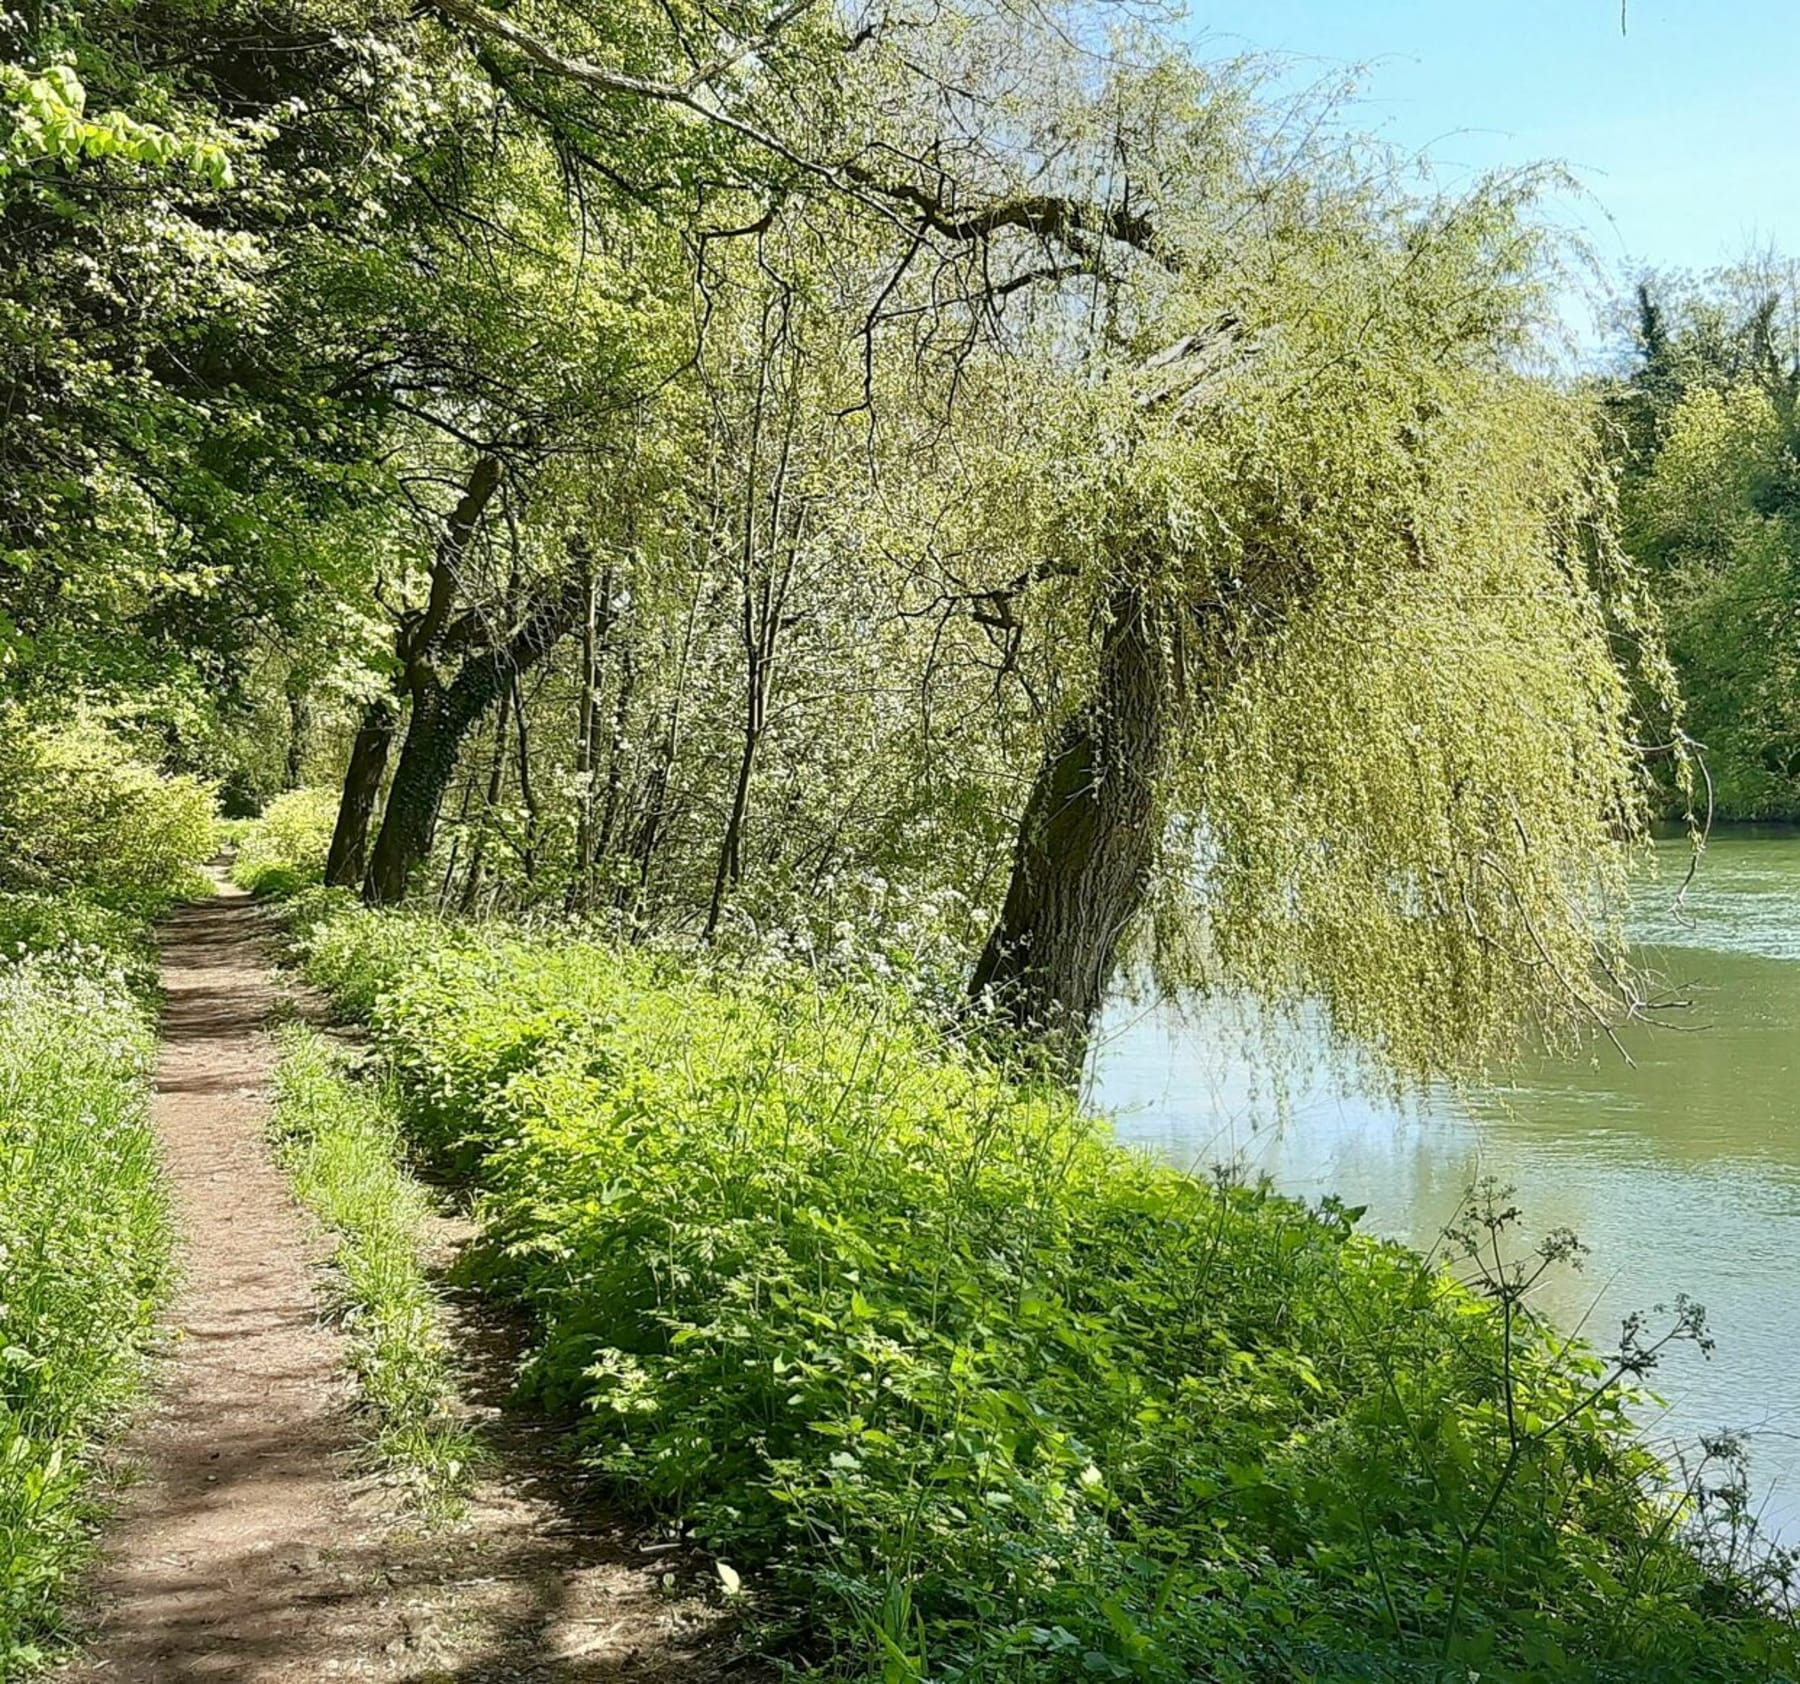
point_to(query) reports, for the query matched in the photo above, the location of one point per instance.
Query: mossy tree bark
(415, 640)
(442, 717)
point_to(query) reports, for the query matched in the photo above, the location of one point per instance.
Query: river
(1680, 1169)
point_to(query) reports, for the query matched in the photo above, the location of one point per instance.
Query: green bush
(968, 1392)
(284, 850)
(80, 811)
(355, 958)
(83, 1256)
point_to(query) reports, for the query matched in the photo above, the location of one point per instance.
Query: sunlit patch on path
(248, 1549)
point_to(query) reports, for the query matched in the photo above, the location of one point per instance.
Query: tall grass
(958, 1390)
(340, 1142)
(84, 1251)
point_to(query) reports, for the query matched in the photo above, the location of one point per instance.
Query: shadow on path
(249, 1550)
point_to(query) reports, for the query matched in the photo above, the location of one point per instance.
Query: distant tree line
(1709, 444)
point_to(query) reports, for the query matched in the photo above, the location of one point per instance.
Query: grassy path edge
(339, 1142)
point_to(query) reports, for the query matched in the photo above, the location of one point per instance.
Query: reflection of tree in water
(1680, 1170)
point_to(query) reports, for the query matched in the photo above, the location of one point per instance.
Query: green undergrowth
(84, 1235)
(956, 1389)
(83, 812)
(283, 850)
(83, 934)
(97, 842)
(339, 1140)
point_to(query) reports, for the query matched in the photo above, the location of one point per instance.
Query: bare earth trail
(249, 1550)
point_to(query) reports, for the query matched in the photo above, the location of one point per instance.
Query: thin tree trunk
(1086, 849)
(295, 762)
(581, 879)
(591, 837)
(765, 605)
(362, 788)
(455, 855)
(496, 782)
(527, 792)
(759, 641)
(615, 755)
(656, 801)
(758, 624)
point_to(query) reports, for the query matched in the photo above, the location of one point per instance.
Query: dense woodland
(743, 532)
(1706, 412)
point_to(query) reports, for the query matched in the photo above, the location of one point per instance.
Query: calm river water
(1680, 1171)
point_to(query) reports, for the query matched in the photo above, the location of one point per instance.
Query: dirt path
(248, 1551)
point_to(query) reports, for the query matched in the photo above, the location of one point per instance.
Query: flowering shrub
(95, 941)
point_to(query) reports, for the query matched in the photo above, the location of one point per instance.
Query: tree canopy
(982, 493)
(1705, 408)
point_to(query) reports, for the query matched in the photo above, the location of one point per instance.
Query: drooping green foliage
(84, 1240)
(47, 122)
(960, 1390)
(1403, 779)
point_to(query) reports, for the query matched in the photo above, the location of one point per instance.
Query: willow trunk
(1086, 849)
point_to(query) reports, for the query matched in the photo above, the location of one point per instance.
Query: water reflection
(1680, 1170)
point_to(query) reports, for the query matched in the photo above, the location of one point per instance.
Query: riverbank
(1677, 1161)
(950, 1386)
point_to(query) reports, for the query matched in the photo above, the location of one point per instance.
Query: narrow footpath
(245, 1547)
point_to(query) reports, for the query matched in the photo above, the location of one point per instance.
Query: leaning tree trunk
(427, 764)
(415, 638)
(442, 716)
(362, 788)
(1087, 845)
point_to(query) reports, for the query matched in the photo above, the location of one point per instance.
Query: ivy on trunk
(442, 717)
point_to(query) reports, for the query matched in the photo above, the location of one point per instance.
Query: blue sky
(1685, 128)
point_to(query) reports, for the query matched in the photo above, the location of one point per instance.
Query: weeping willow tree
(1350, 722)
